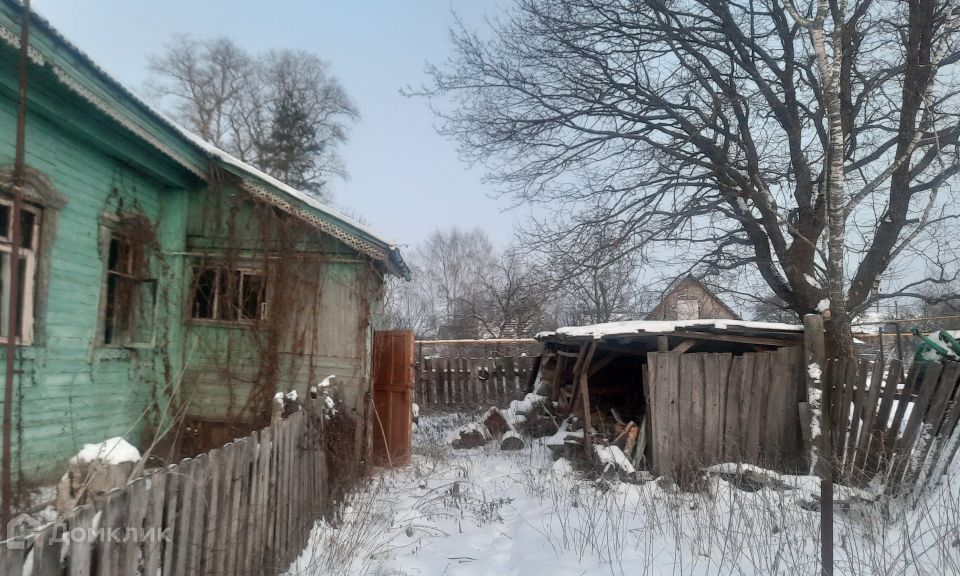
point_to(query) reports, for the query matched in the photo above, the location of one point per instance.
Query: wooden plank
(577, 369)
(184, 518)
(153, 522)
(245, 512)
(136, 514)
(664, 373)
(270, 498)
(663, 343)
(557, 379)
(426, 378)
(212, 512)
(738, 338)
(851, 383)
(225, 477)
(870, 407)
(779, 397)
(716, 367)
(878, 452)
(256, 510)
(511, 380)
(12, 558)
(939, 466)
(114, 516)
(693, 410)
(857, 425)
(928, 390)
(170, 512)
(939, 405)
(732, 407)
(47, 549)
(684, 346)
(794, 427)
(754, 408)
(585, 397)
(287, 501)
(80, 559)
(894, 427)
(198, 514)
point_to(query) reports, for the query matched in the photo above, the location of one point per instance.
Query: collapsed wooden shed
(698, 392)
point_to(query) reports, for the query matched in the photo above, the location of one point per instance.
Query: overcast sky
(405, 179)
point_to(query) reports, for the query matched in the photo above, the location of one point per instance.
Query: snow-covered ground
(484, 511)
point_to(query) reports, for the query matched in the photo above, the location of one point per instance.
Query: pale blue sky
(405, 179)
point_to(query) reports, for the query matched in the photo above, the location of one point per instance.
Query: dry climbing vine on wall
(254, 354)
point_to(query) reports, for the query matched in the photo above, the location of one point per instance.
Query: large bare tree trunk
(829, 60)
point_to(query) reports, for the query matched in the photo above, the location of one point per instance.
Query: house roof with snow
(57, 56)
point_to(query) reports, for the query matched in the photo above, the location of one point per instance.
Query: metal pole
(826, 475)
(14, 281)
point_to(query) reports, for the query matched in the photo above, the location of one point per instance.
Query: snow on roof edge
(392, 257)
(630, 327)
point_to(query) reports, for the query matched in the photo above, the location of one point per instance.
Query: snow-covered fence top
(245, 508)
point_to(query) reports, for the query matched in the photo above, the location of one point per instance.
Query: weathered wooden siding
(320, 299)
(72, 391)
(81, 135)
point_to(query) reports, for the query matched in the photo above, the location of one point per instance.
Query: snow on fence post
(811, 411)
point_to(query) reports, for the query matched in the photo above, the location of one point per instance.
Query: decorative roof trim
(10, 37)
(122, 119)
(13, 40)
(362, 246)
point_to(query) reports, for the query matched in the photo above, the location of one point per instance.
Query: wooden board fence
(707, 408)
(895, 427)
(457, 383)
(244, 509)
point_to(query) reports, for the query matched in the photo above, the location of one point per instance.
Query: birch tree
(811, 146)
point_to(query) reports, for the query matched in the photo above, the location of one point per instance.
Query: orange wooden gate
(392, 395)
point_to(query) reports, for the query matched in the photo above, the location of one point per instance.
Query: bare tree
(281, 111)
(512, 297)
(464, 288)
(812, 143)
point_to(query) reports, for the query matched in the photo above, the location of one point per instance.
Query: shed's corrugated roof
(365, 240)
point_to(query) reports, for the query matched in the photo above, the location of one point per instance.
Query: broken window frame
(28, 258)
(137, 281)
(218, 291)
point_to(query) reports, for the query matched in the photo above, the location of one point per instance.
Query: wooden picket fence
(903, 433)
(463, 382)
(245, 508)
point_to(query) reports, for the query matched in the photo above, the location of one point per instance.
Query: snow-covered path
(483, 511)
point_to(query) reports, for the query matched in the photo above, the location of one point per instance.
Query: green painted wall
(73, 390)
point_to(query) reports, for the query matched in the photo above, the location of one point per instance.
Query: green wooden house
(166, 285)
